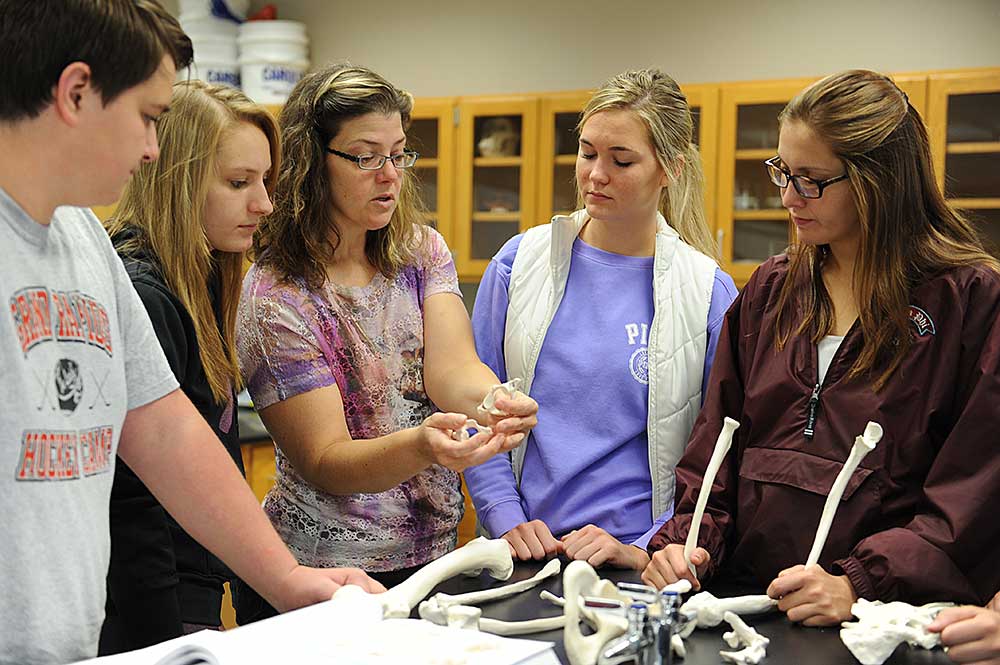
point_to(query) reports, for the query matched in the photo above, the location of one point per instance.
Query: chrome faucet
(647, 640)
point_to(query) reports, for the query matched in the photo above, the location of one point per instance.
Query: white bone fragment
(462, 433)
(710, 610)
(754, 644)
(550, 569)
(581, 580)
(863, 445)
(881, 627)
(722, 445)
(463, 617)
(507, 389)
(680, 586)
(550, 597)
(677, 644)
(493, 555)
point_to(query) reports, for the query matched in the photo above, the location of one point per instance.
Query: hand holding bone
(669, 565)
(972, 634)
(509, 412)
(436, 443)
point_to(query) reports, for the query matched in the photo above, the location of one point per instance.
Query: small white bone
(550, 597)
(755, 644)
(462, 433)
(863, 445)
(722, 445)
(493, 555)
(581, 580)
(710, 610)
(507, 389)
(677, 644)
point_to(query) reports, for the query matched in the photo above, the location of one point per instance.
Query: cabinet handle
(720, 234)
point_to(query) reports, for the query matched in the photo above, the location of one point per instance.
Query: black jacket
(160, 576)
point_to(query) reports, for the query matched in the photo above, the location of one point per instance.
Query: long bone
(624, 593)
(470, 618)
(580, 580)
(493, 555)
(863, 445)
(722, 445)
(754, 644)
(710, 611)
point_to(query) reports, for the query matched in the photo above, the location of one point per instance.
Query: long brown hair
(295, 239)
(908, 232)
(165, 199)
(658, 101)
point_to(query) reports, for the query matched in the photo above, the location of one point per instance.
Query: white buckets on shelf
(214, 40)
(273, 57)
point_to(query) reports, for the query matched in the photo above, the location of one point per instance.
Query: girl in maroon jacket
(885, 309)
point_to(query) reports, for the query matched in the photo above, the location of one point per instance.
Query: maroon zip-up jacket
(919, 520)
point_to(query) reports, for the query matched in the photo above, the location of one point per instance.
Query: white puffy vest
(678, 337)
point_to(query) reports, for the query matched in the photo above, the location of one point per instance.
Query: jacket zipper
(813, 406)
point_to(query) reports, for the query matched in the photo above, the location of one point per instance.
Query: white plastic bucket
(225, 72)
(273, 50)
(294, 30)
(215, 50)
(208, 27)
(270, 82)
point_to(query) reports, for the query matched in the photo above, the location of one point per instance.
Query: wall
(456, 47)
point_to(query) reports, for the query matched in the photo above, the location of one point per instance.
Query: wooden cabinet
(496, 178)
(964, 126)
(432, 134)
(751, 224)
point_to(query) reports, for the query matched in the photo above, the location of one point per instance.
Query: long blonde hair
(166, 199)
(908, 231)
(295, 239)
(658, 101)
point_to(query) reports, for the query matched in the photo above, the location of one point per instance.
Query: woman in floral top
(351, 335)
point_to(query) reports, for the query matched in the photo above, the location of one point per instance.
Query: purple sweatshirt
(586, 462)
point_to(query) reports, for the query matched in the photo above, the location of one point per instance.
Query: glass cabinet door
(432, 134)
(497, 175)
(964, 112)
(558, 143)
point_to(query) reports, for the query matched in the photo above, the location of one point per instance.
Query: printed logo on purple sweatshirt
(638, 362)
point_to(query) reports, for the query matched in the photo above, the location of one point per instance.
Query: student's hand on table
(304, 586)
(532, 540)
(995, 603)
(437, 447)
(666, 566)
(813, 597)
(598, 547)
(520, 416)
(971, 634)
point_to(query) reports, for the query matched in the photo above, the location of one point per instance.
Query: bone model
(488, 407)
(581, 580)
(754, 644)
(722, 445)
(462, 433)
(493, 555)
(881, 627)
(711, 611)
(863, 445)
(438, 608)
